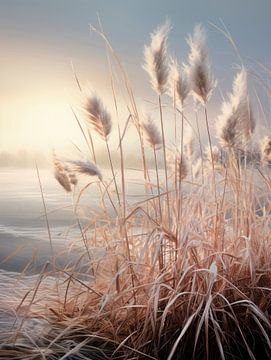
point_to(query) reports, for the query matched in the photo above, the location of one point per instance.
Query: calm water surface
(23, 231)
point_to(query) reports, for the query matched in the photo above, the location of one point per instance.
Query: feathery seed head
(198, 70)
(85, 167)
(156, 60)
(61, 175)
(179, 86)
(152, 134)
(97, 116)
(236, 123)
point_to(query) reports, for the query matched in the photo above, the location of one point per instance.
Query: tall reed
(157, 67)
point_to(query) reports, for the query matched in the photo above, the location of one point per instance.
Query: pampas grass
(236, 123)
(157, 67)
(97, 116)
(201, 79)
(179, 85)
(198, 68)
(85, 167)
(62, 175)
(151, 133)
(191, 283)
(154, 139)
(156, 59)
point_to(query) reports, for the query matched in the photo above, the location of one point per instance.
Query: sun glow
(39, 125)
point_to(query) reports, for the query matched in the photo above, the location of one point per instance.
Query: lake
(24, 240)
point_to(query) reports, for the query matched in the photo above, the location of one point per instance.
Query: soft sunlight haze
(39, 39)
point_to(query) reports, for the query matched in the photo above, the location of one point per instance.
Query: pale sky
(38, 39)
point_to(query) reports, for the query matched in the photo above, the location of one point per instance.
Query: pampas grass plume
(236, 123)
(97, 115)
(86, 167)
(179, 86)
(152, 134)
(61, 175)
(198, 70)
(156, 59)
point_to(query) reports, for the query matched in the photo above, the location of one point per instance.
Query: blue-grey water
(24, 239)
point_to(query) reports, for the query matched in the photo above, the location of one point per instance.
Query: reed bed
(187, 270)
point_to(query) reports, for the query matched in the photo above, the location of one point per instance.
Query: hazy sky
(39, 38)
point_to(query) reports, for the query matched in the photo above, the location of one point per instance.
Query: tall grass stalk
(164, 154)
(161, 261)
(200, 146)
(179, 191)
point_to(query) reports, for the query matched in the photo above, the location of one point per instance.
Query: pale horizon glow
(39, 39)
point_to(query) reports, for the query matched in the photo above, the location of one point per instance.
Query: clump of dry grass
(189, 282)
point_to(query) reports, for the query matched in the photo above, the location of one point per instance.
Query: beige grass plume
(97, 115)
(61, 175)
(265, 150)
(156, 59)
(236, 123)
(179, 86)
(85, 167)
(152, 134)
(198, 70)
